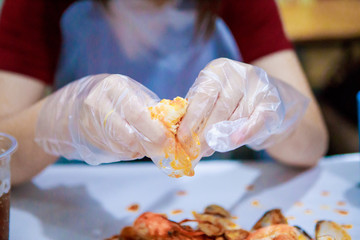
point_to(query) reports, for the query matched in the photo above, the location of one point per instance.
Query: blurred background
(326, 36)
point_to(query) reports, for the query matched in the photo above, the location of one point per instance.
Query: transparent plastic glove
(100, 119)
(232, 104)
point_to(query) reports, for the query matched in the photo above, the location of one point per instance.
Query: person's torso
(153, 45)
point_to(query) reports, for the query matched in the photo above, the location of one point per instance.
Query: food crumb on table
(181, 193)
(325, 207)
(341, 203)
(176, 211)
(290, 218)
(255, 203)
(308, 211)
(250, 187)
(133, 207)
(341, 211)
(325, 193)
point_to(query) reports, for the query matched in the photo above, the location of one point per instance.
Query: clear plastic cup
(8, 145)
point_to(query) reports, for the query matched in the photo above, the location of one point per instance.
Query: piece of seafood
(328, 230)
(156, 226)
(217, 210)
(274, 232)
(236, 234)
(176, 159)
(170, 112)
(271, 217)
(302, 235)
(215, 224)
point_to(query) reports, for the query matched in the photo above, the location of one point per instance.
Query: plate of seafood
(215, 223)
(225, 199)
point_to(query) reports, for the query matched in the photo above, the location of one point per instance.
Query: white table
(85, 202)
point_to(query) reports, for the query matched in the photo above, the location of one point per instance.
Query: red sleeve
(256, 27)
(30, 37)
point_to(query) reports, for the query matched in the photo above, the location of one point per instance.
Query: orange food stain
(325, 193)
(234, 217)
(181, 193)
(255, 203)
(298, 204)
(308, 211)
(176, 211)
(341, 203)
(341, 212)
(324, 207)
(290, 218)
(133, 207)
(233, 225)
(347, 226)
(250, 187)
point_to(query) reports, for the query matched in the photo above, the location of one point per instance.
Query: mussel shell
(236, 234)
(271, 217)
(302, 234)
(217, 210)
(328, 230)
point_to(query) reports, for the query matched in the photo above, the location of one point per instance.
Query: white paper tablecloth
(86, 202)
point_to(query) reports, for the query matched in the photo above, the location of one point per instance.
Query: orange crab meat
(170, 113)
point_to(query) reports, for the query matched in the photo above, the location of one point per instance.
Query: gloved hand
(101, 118)
(232, 104)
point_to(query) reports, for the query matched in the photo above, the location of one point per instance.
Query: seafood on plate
(215, 223)
(328, 230)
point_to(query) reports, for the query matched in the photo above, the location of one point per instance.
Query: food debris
(298, 204)
(325, 193)
(181, 193)
(341, 212)
(308, 211)
(176, 211)
(341, 203)
(347, 226)
(290, 218)
(255, 203)
(133, 207)
(325, 207)
(250, 187)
